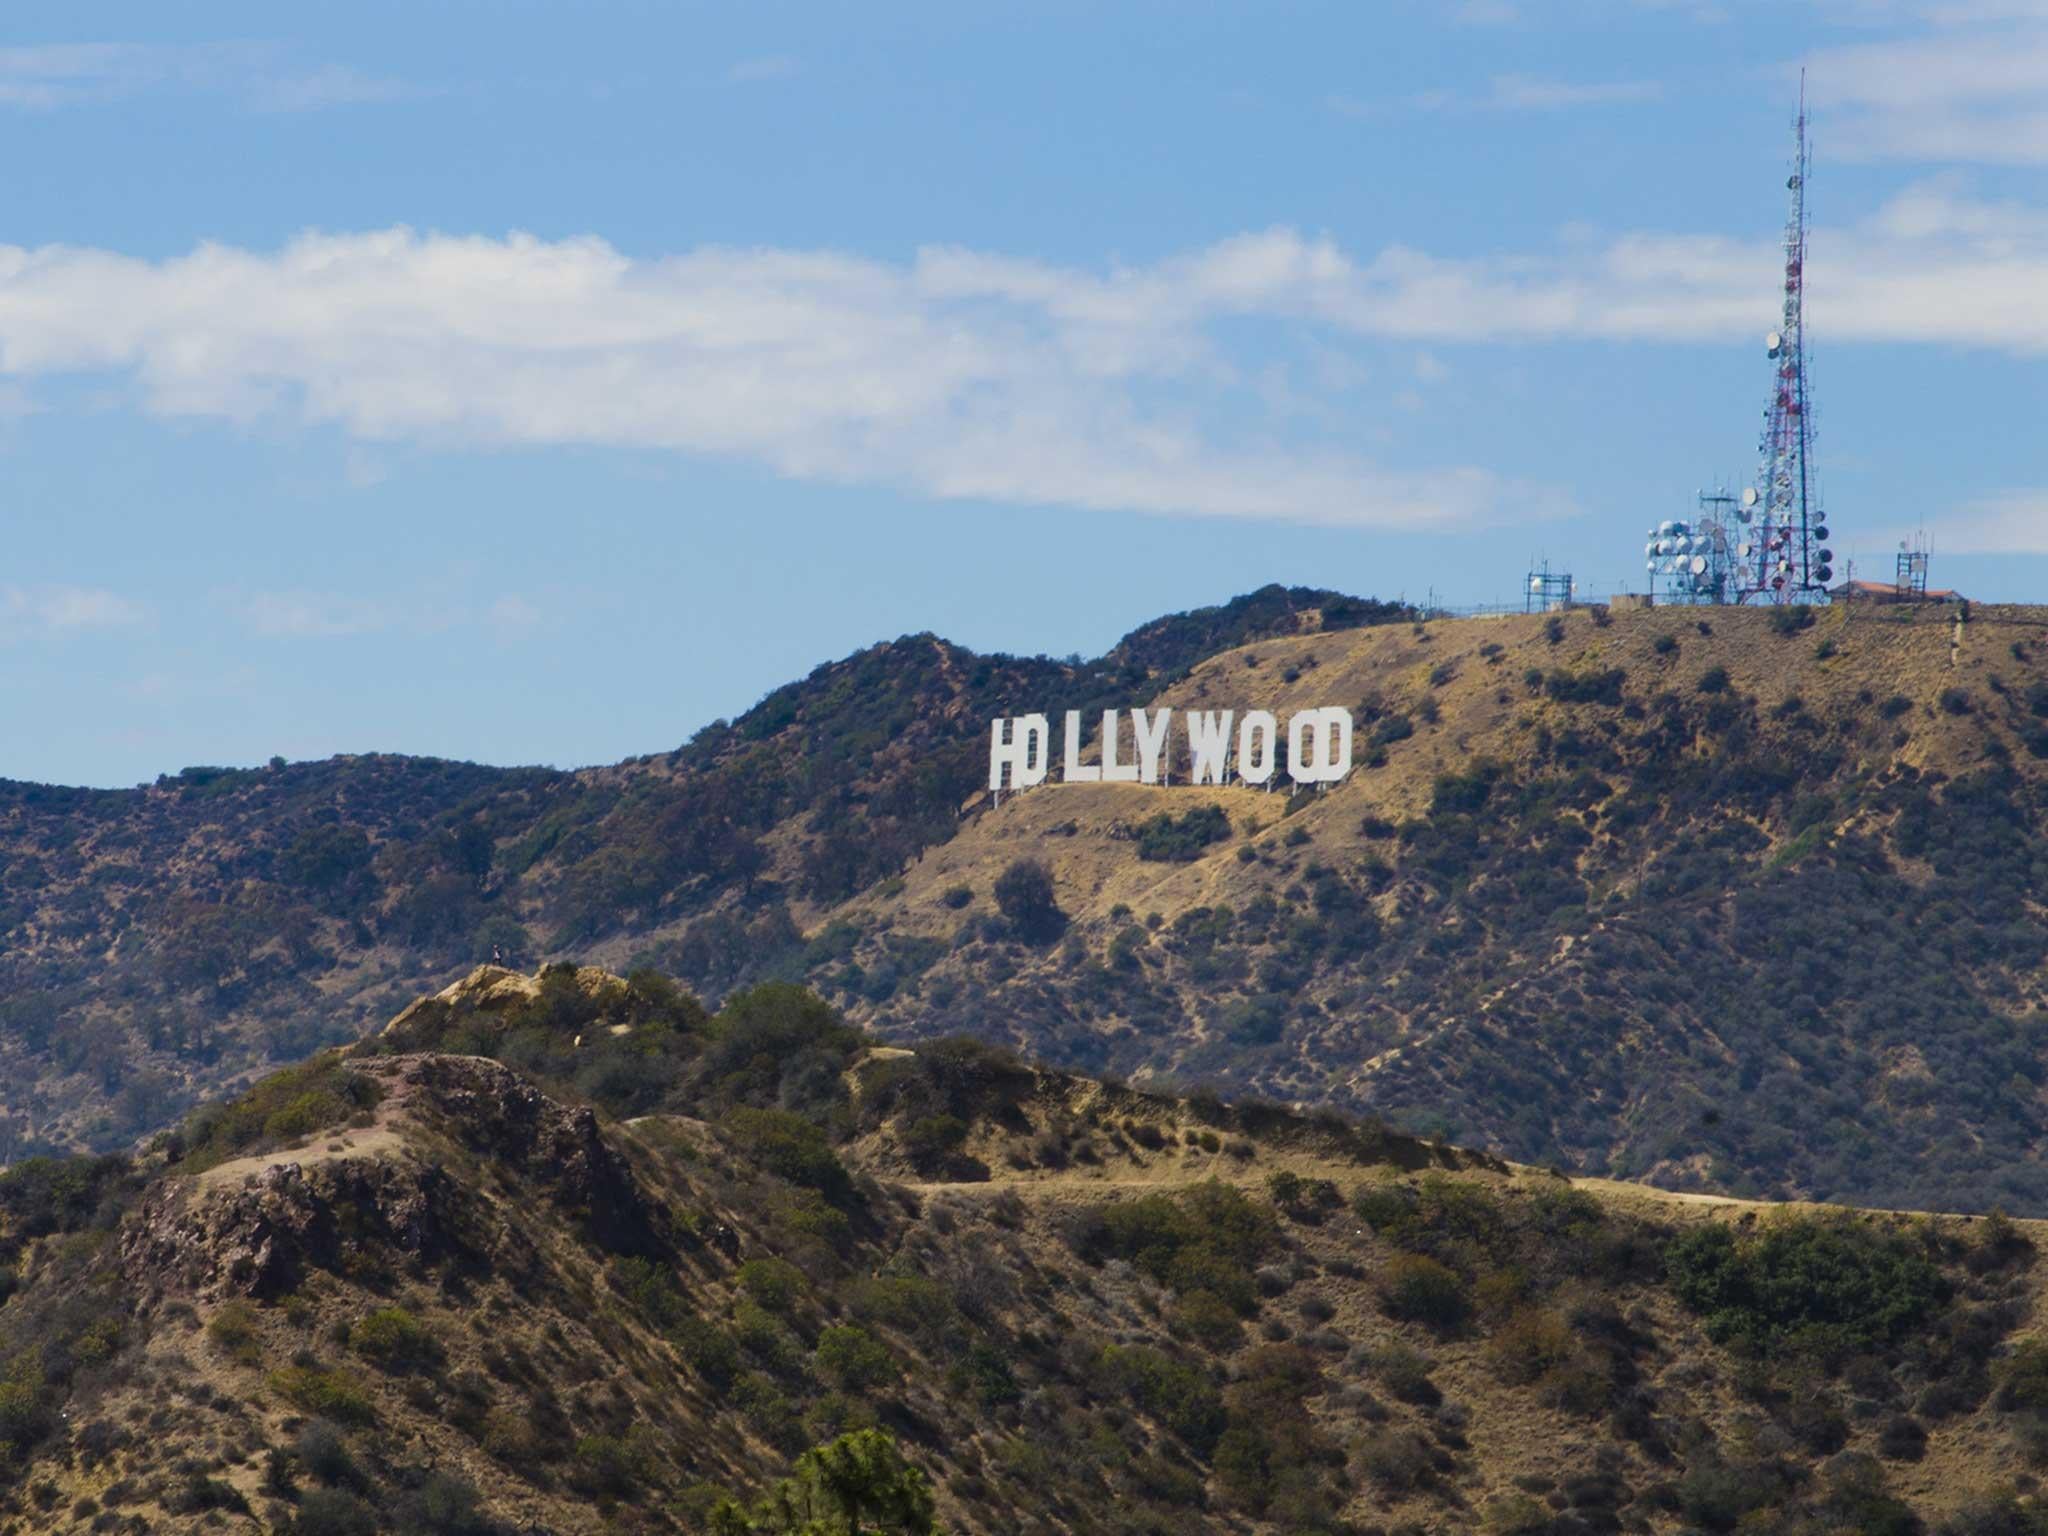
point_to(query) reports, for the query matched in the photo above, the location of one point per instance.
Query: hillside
(624, 1285)
(1691, 897)
(1681, 896)
(158, 943)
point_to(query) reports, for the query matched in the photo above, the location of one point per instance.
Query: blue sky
(535, 383)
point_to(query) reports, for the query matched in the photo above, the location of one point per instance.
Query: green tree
(1024, 895)
(856, 1485)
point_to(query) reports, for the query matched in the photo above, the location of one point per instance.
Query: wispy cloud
(1505, 93)
(2010, 523)
(299, 613)
(61, 607)
(957, 376)
(1967, 86)
(1527, 93)
(264, 76)
(960, 374)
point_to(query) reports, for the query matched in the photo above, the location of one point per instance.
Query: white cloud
(1526, 93)
(263, 75)
(61, 607)
(959, 374)
(1970, 85)
(299, 614)
(2012, 523)
(1504, 93)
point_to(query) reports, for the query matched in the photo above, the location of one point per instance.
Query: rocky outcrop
(385, 1207)
(487, 989)
(496, 1112)
(260, 1239)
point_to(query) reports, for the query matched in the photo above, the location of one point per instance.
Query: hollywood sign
(1220, 746)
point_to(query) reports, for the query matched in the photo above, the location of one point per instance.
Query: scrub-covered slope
(1705, 897)
(156, 943)
(404, 1289)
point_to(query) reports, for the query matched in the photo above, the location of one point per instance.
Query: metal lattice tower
(1785, 558)
(1548, 591)
(1910, 585)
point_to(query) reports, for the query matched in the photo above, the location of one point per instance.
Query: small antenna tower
(1786, 558)
(1547, 591)
(1911, 583)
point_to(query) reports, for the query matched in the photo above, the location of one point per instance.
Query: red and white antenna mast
(1785, 558)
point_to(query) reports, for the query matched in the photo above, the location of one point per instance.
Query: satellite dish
(1749, 495)
(1826, 573)
(1699, 565)
(1821, 532)
(1826, 555)
(1772, 342)
(1650, 566)
(1743, 549)
(1535, 583)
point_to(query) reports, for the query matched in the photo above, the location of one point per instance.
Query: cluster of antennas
(1688, 557)
(1769, 551)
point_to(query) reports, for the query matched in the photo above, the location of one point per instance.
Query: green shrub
(395, 1340)
(232, 1331)
(1024, 895)
(1178, 1396)
(854, 1359)
(328, 1393)
(985, 1375)
(773, 1283)
(1586, 687)
(931, 1140)
(320, 1449)
(2023, 1378)
(1418, 1289)
(1713, 680)
(913, 1303)
(1531, 1344)
(1399, 1460)
(1824, 1285)
(790, 1147)
(608, 1464)
(1210, 1238)
(709, 1349)
(1181, 839)
(1404, 1372)
(1791, 618)
(651, 1289)
(1208, 1319)
(44, 1195)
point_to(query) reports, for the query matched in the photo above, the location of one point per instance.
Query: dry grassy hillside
(1597, 881)
(1473, 672)
(1697, 897)
(407, 1290)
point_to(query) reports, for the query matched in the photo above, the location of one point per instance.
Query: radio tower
(1787, 555)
